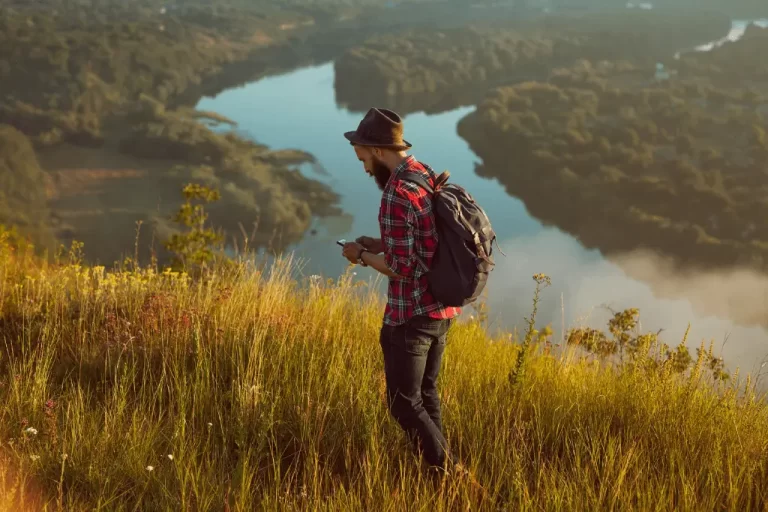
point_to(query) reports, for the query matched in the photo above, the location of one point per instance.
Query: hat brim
(354, 138)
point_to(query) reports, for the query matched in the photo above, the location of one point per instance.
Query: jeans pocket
(416, 342)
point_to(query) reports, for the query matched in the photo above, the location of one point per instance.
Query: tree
(195, 247)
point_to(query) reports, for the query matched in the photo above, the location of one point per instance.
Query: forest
(439, 70)
(622, 162)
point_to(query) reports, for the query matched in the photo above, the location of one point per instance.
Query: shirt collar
(405, 164)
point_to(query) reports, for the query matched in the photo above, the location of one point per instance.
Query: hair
(382, 148)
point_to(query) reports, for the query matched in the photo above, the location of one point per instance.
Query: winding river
(298, 110)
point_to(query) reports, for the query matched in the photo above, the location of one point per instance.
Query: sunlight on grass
(248, 390)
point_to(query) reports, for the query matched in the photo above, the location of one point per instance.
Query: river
(298, 110)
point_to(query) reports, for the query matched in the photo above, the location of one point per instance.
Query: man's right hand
(373, 245)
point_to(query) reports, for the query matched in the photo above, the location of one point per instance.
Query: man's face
(373, 165)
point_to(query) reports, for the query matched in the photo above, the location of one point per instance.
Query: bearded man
(414, 326)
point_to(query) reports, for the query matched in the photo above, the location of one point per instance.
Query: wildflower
(170, 456)
(31, 430)
(150, 468)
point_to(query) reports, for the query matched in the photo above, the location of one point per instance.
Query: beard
(381, 173)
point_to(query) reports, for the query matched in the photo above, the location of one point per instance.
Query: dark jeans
(412, 356)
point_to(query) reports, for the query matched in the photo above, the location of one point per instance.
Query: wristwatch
(360, 258)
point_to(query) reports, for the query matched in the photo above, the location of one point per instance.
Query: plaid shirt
(409, 237)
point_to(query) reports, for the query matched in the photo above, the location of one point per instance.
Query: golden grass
(268, 393)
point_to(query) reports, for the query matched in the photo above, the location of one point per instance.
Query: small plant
(714, 364)
(625, 341)
(542, 281)
(195, 247)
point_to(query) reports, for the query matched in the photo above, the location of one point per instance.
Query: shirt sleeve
(398, 234)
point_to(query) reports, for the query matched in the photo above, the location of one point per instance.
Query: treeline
(680, 166)
(737, 8)
(732, 65)
(62, 75)
(437, 70)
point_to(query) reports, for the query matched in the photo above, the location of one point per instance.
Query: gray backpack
(463, 260)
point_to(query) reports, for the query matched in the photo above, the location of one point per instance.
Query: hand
(352, 251)
(373, 245)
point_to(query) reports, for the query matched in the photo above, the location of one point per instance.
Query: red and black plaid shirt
(409, 237)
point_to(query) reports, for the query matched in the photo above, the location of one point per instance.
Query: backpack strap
(439, 182)
(418, 180)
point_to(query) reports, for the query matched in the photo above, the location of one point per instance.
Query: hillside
(141, 388)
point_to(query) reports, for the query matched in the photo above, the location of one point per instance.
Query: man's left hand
(352, 251)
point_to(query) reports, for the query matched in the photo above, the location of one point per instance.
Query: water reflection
(586, 287)
(737, 31)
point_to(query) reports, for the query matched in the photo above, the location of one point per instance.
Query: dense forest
(622, 161)
(438, 70)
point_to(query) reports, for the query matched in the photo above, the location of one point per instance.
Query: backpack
(463, 259)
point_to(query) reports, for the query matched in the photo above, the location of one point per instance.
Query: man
(415, 324)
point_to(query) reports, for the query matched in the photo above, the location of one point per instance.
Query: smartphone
(341, 242)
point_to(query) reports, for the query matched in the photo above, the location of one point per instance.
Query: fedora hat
(380, 127)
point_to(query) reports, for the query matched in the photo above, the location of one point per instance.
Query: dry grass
(268, 393)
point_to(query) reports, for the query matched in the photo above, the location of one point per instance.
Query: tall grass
(144, 390)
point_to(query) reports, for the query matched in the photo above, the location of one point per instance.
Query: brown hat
(380, 127)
